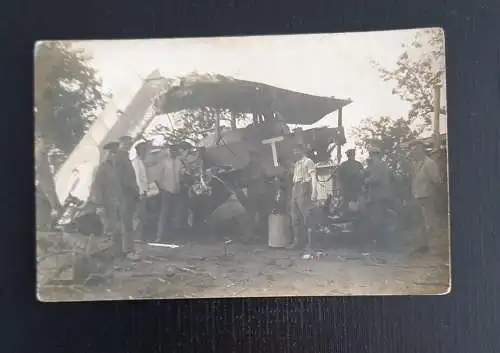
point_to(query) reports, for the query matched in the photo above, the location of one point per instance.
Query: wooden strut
(339, 124)
(437, 111)
(272, 142)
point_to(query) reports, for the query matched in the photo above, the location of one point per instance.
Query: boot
(295, 239)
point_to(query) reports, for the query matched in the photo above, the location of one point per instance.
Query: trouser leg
(252, 216)
(376, 227)
(141, 212)
(429, 216)
(264, 212)
(182, 209)
(160, 234)
(165, 220)
(297, 221)
(300, 207)
(106, 230)
(112, 215)
(127, 208)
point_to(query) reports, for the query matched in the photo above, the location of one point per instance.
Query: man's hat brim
(125, 139)
(416, 143)
(111, 146)
(142, 144)
(374, 150)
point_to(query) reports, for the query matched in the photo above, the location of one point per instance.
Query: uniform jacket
(126, 175)
(425, 177)
(351, 175)
(379, 178)
(114, 181)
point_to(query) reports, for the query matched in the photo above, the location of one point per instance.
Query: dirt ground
(202, 269)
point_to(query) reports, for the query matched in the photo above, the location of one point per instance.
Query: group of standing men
(375, 183)
(122, 187)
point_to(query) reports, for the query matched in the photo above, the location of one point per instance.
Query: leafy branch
(418, 69)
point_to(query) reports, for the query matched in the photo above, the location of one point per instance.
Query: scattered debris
(313, 255)
(253, 272)
(188, 270)
(170, 272)
(72, 258)
(283, 263)
(171, 246)
(226, 247)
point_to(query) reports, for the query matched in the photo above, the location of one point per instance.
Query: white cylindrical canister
(279, 230)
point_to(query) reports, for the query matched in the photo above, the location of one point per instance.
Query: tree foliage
(419, 68)
(67, 92)
(193, 125)
(388, 135)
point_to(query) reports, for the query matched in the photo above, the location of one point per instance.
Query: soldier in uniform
(425, 182)
(258, 195)
(379, 194)
(113, 193)
(351, 175)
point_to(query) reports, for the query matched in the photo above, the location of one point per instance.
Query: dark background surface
(467, 320)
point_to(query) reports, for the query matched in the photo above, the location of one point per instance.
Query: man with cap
(303, 194)
(147, 188)
(379, 193)
(351, 177)
(107, 196)
(129, 194)
(255, 177)
(425, 179)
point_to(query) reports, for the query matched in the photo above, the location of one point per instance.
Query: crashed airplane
(218, 158)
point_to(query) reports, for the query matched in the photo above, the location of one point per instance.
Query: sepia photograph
(253, 166)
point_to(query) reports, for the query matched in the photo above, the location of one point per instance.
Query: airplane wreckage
(215, 164)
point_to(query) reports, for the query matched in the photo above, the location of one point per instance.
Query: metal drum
(279, 230)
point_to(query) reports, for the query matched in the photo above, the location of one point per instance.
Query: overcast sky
(326, 65)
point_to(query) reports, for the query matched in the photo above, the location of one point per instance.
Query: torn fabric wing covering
(247, 97)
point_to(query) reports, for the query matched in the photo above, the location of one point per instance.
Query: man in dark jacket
(106, 193)
(351, 176)
(129, 194)
(258, 195)
(115, 196)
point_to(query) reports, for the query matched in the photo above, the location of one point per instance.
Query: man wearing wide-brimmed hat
(425, 179)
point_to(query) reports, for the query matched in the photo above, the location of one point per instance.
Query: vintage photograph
(257, 166)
